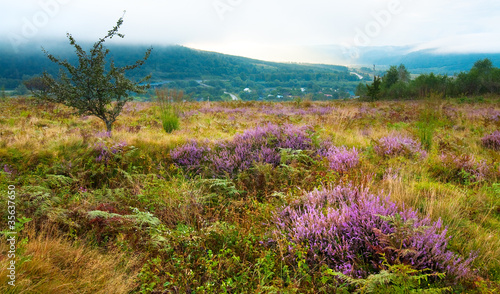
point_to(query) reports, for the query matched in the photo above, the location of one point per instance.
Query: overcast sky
(280, 30)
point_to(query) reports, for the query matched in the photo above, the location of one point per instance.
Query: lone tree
(374, 89)
(94, 87)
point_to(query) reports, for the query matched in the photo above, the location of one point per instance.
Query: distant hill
(167, 63)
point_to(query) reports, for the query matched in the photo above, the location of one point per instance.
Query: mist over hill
(416, 61)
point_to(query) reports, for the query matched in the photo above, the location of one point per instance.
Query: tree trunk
(108, 126)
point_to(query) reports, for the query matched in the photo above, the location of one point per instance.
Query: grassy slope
(189, 233)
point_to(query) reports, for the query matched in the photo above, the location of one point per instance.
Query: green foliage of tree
(37, 85)
(21, 90)
(373, 90)
(399, 90)
(426, 84)
(93, 87)
(361, 90)
(481, 79)
(391, 77)
(403, 74)
(394, 75)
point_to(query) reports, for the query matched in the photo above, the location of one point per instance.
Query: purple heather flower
(492, 141)
(397, 145)
(103, 135)
(7, 169)
(341, 159)
(106, 151)
(343, 227)
(259, 145)
(466, 163)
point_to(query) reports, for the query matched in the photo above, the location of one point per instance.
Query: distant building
(247, 90)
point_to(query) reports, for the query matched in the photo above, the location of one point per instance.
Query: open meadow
(254, 197)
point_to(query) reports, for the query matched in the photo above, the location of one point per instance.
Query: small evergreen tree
(361, 90)
(374, 88)
(93, 87)
(403, 74)
(391, 77)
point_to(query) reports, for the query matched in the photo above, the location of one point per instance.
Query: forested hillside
(185, 68)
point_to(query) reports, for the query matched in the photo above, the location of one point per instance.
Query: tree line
(396, 83)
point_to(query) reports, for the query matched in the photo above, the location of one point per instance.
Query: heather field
(254, 197)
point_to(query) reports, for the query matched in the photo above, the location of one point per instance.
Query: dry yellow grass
(56, 265)
(453, 205)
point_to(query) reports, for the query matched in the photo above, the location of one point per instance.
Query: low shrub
(169, 114)
(169, 120)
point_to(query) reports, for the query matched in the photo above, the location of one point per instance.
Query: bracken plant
(464, 168)
(349, 230)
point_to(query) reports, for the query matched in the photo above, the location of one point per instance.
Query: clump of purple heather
(397, 145)
(367, 112)
(131, 107)
(8, 169)
(465, 167)
(492, 140)
(190, 156)
(103, 135)
(495, 116)
(105, 151)
(262, 144)
(321, 110)
(340, 159)
(348, 229)
(282, 110)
